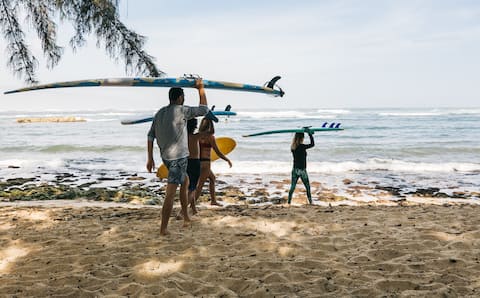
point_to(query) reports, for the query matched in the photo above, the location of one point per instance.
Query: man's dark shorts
(193, 171)
(177, 170)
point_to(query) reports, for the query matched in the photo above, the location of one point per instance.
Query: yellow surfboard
(225, 145)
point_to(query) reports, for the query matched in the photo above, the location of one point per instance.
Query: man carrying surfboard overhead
(169, 128)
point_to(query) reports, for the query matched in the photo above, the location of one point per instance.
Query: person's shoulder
(194, 136)
(162, 110)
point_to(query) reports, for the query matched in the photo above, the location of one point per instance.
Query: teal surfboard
(184, 82)
(303, 129)
(144, 119)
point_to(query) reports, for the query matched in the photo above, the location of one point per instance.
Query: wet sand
(76, 249)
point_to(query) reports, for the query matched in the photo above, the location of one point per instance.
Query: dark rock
(392, 190)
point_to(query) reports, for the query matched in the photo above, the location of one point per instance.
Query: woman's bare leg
(204, 172)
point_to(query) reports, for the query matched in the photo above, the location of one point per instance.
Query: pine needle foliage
(99, 17)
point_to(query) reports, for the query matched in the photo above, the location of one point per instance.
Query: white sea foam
(282, 114)
(434, 112)
(333, 111)
(374, 164)
(33, 163)
(410, 114)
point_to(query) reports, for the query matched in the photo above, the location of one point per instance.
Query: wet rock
(278, 200)
(86, 185)
(18, 181)
(105, 179)
(255, 200)
(136, 178)
(459, 195)
(429, 192)
(441, 195)
(392, 190)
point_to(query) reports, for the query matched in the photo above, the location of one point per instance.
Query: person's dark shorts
(177, 170)
(193, 171)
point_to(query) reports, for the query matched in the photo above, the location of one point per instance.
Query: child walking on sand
(299, 152)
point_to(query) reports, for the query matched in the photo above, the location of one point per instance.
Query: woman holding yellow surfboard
(207, 143)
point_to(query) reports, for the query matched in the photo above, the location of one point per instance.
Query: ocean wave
(435, 112)
(333, 111)
(66, 148)
(33, 163)
(393, 165)
(410, 114)
(374, 164)
(284, 115)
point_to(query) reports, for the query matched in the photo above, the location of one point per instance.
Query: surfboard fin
(271, 84)
(332, 125)
(227, 108)
(338, 125)
(273, 81)
(325, 124)
(211, 116)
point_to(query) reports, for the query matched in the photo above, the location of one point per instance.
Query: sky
(330, 54)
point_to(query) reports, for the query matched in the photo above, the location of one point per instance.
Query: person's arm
(312, 141)
(219, 153)
(150, 161)
(201, 92)
(151, 137)
(202, 109)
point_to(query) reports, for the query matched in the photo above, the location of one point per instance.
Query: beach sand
(74, 249)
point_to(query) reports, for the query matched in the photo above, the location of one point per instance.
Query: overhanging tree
(100, 17)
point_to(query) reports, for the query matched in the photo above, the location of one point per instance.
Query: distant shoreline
(50, 119)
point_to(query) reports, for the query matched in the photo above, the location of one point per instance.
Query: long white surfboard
(185, 82)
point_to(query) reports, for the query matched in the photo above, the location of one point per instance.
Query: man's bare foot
(187, 223)
(179, 216)
(164, 233)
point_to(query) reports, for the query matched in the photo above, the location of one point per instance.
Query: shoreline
(231, 190)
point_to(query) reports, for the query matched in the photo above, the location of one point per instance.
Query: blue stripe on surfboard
(148, 119)
(321, 129)
(154, 82)
(224, 113)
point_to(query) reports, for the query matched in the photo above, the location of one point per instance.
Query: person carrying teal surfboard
(299, 152)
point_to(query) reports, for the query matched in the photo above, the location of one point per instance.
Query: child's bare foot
(194, 209)
(187, 223)
(215, 203)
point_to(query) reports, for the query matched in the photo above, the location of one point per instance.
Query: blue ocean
(409, 149)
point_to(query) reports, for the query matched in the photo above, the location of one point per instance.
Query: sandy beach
(78, 249)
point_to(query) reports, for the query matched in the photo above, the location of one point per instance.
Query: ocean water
(407, 148)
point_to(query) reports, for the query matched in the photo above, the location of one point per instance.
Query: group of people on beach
(186, 154)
